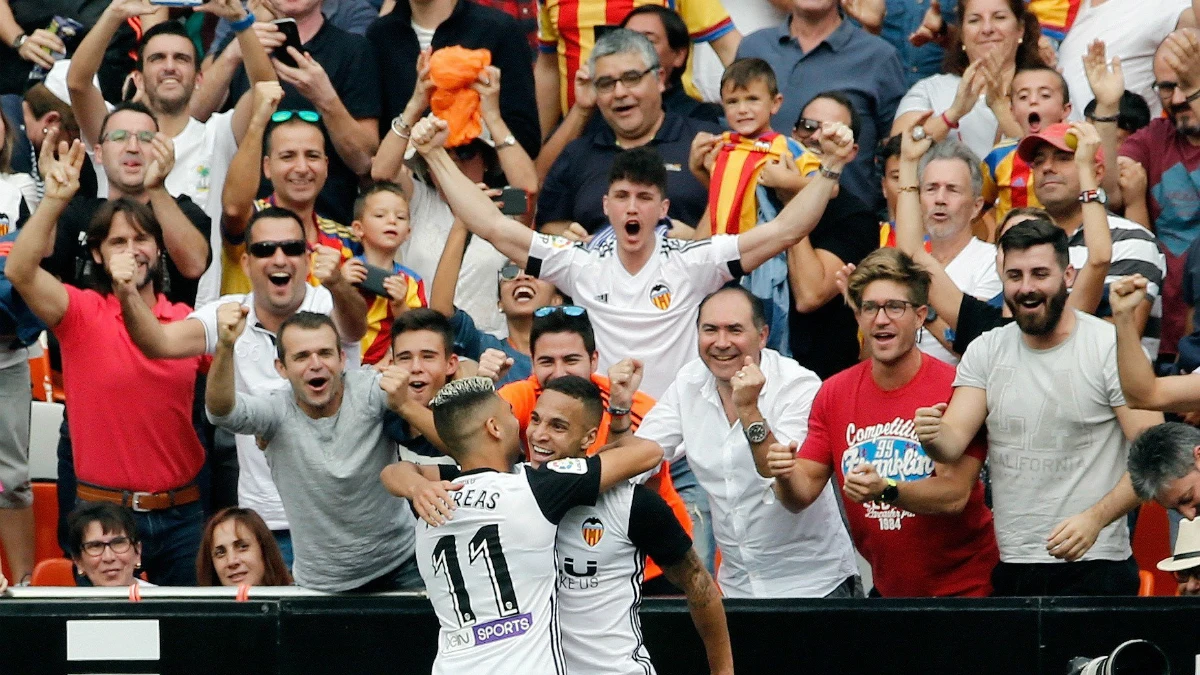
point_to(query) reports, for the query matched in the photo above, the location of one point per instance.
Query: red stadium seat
(54, 572)
(45, 521)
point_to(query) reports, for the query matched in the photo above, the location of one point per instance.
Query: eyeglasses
(510, 272)
(118, 135)
(118, 545)
(569, 310)
(266, 249)
(629, 78)
(310, 116)
(893, 308)
(807, 127)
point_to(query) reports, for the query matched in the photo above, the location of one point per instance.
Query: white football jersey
(490, 572)
(602, 556)
(649, 316)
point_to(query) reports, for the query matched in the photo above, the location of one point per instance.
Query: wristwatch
(16, 45)
(756, 433)
(618, 412)
(931, 316)
(890, 493)
(508, 142)
(1097, 195)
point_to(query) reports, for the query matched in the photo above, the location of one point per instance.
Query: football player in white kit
(601, 549)
(490, 568)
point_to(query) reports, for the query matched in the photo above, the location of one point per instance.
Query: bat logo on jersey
(593, 530)
(660, 295)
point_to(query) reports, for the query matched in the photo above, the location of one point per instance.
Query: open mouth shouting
(883, 337)
(279, 279)
(1035, 122)
(633, 227)
(523, 292)
(1030, 302)
(317, 385)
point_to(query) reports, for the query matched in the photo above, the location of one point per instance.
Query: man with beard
(167, 75)
(141, 452)
(1047, 387)
(323, 438)
(1056, 181)
(1169, 149)
(921, 525)
(277, 264)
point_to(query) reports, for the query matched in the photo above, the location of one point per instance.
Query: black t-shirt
(71, 260)
(826, 340)
(398, 429)
(976, 317)
(354, 73)
(578, 180)
(677, 101)
(654, 529)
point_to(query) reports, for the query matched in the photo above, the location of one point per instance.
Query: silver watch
(756, 432)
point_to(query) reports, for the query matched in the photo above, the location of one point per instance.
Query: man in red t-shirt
(131, 416)
(921, 525)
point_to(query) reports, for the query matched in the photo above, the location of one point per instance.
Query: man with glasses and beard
(1058, 430)
(1169, 149)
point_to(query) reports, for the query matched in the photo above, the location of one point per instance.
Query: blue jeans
(697, 507)
(170, 541)
(284, 539)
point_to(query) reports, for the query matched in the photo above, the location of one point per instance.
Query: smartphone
(374, 280)
(291, 34)
(512, 201)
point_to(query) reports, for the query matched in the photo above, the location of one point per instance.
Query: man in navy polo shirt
(628, 92)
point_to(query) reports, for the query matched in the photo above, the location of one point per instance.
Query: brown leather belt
(140, 501)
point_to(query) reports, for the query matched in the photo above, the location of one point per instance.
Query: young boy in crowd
(1039, 98)
(751, 172)
(381, 223)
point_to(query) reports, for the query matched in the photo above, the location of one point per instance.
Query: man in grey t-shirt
(1058, 430)
(325, 446)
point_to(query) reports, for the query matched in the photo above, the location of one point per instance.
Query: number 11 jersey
(491, 574)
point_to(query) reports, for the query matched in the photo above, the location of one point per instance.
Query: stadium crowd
(599, 291)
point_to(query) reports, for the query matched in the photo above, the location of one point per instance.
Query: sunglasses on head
(310, 116)
(510, 272)
(569, 310)
(266, 249)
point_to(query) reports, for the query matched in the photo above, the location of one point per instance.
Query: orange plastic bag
(453, 70)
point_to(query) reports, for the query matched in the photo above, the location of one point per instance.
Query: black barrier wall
(397, 635)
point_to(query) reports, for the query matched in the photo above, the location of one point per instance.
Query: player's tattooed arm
(708, 613)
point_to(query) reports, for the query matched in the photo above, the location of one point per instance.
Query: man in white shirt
(1057, 429)
(951, 185)
(277, 263)
(727, 408)
(640, 290)
(168, 66)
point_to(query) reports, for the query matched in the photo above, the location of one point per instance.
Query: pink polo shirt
(130, 416)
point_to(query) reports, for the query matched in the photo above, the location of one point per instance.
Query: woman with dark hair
(22, 182)
(994, 40)
(104, 545)
(238, 548)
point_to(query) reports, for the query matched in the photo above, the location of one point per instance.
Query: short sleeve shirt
(1055, 447)
(1173, 172)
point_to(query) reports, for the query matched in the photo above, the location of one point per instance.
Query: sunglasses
(266, 249)
(806, 126)
(569, 310)
(118, 135)
(310, 116)
(510, 272)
